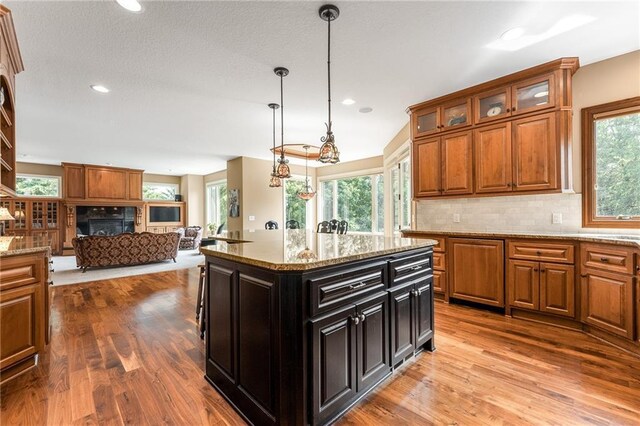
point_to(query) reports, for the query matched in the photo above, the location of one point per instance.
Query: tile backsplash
(518, 213)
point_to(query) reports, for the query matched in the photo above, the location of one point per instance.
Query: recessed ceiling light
(348, 101)
(130, 5)
(541, 94)
(365, 110)
(99, 88)
(512, 34)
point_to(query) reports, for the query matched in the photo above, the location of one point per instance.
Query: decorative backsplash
(520, 213)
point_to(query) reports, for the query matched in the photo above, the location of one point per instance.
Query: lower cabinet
(350, 354)
(607, 302)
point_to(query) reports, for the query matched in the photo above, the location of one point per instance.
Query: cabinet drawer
(438, 248)
(19, 271)
(342, 286)
(439, 261)
(410, 266)
(547, 252)
(607, 258)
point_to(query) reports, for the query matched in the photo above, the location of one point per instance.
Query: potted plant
(212, 228)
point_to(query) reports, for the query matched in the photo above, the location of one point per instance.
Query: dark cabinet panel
(373, 341)
(424, 310)
(220, 321)
(334, 366)
(402, 324)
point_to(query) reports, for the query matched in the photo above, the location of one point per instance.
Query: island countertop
(298, 250)
(13, 246)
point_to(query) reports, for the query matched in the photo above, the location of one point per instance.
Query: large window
(159, 191)
(295, 208)
(401, 194)
(611, 172)
(216, 204)
(38, 186)
(359, 200)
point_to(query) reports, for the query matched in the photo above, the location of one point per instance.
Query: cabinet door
(135, 185)
(457, 164)
(456, 114)
(373, 341)
(439, 281)
(557, 289)
(21, 215)
(334, 362)
(106, 183)
(402, 323)
(221, 321)
(492, 105)
(533, 94)
(492, 146)
(535, 156)
(427, 168)
(477, 270)
(38, 212)
(424, 310)
(607, 302)
(523, 278)
(73, 180)
(425, 122)
(53, 208)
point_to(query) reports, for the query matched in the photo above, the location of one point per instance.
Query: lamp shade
(5, 215)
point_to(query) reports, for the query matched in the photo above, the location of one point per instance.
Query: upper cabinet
(517, 135)
(101, 183)
(10, 66)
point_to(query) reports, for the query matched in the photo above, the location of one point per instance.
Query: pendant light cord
(329, 68)
(274, 140)
(281, 119)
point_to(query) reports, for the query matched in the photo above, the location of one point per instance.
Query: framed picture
(234, 203)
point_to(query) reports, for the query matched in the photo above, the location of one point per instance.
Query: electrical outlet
(556, 218)
(456, 217)
(252, 218)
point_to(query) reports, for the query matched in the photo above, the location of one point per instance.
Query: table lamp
(4, 215)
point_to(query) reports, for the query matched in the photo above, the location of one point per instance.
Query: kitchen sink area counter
(301, 326)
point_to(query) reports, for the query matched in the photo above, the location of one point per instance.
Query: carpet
(66, 271)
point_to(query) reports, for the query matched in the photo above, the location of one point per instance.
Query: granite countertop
(12, 246)
(626, 240)
(298, 250)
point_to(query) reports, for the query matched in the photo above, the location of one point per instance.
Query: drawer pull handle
(416, 268)
(357, 286)
(50, 282)
(539, 253)
(362, 317)
(356, 320)
(583, 275)
(604, 259)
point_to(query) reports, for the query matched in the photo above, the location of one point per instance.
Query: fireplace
(104, 220)
(106, 226)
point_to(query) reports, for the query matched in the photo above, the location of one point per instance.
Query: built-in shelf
(5, 165)
(5, 140)
(6, 117)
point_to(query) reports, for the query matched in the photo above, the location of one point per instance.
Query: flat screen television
(164, 214)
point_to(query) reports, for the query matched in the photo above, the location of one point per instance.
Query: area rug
(66, 271)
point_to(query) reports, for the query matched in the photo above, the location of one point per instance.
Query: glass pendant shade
(308, 192)
(307, 254)
(283, 171)
(329, 151)
(275, 181)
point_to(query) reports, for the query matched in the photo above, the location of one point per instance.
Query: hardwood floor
(127, 351)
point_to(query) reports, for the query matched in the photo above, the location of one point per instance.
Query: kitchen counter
(298, 250)
(625, 240)
(12, 246)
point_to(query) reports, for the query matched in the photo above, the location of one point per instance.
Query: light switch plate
(556, 218)
(252, 218)
(456, 217)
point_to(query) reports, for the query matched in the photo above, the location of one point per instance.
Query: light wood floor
(127, 351)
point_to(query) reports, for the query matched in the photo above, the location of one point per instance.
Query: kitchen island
(300, 326)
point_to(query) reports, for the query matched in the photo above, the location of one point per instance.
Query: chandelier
(274, 182)
(283, 170)
(329, 151)
(308, 192)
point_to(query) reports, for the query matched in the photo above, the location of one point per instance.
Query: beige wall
(192, 190)
(216, 176)
(350, 167)
(148, 177)
(403, 135)
(598, 83)
(38, 169)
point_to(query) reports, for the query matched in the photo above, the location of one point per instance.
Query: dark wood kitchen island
(300, 326)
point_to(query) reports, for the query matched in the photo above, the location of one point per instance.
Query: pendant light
(308, 192)
(283, 170)
(329, 151)
(274, 182)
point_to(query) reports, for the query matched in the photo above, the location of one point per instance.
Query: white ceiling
(190, 81)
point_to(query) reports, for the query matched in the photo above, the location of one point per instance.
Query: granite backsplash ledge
(517, 213)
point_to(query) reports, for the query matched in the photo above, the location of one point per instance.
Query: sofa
(190, 237)
(125, 249)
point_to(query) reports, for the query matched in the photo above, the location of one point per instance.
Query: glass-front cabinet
(456, 114)
(534, 94)
(427, 121)
(430, 120)
(492, 105)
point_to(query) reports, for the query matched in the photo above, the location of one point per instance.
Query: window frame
(165, 184)
(308, 206)
(58, 179)
(589, 116)
(207, 204)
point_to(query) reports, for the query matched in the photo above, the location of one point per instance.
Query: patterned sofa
(125, 249)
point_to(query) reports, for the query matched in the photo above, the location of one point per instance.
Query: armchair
(190, 237)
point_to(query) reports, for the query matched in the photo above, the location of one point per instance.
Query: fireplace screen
(106, 226)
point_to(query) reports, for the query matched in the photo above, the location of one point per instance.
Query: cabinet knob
(543, 270)
(362, 317)
(50, 282)
(508, 109)
(509, 185)
(583, 275)
(604, 259)
(513, 109)
(52, 270)
(538, 253)
(535, 269)
(356, 320)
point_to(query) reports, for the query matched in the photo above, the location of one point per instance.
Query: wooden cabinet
(520, 131)
(35, 217)
(101, 183)
(477, 270)
(446, 165)
(10, 65)
(607, 291)
(541, 277)
(24, 312)
(439, 262)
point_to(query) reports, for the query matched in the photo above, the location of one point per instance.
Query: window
(216, 204)
(611, 165)
(159, 191)
(401, 194)
(359, 200)
(295, 208)
(38, 186)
